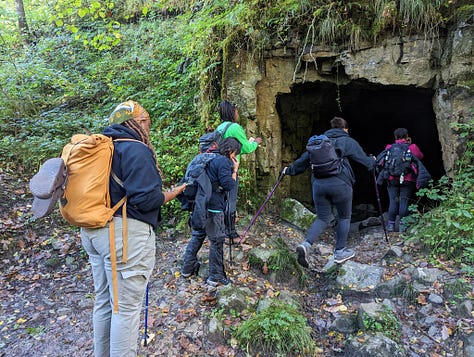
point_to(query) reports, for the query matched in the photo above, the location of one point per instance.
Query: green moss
(283, 262)
(295, 213)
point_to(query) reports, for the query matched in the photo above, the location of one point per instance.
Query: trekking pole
(231, 241)
(145, 335)
(380, 205)
(261, 207)
(228, 216)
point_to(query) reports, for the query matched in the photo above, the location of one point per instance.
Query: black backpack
(323, 157)
(395, 161)
(210, 141)
(198, 189)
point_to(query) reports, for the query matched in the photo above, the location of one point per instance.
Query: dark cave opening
(373, 113)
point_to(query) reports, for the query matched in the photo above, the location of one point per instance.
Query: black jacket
(135, 166)
(423, 177)
(346, 147)
(220, 174)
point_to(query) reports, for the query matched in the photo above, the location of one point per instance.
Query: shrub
(446, 229)
(279, 330)
(386, 323)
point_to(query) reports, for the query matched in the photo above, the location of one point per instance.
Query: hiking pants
(215, 230)
(190, 256)
(327, 193)
(399, 196)
(116, 335)
(232, 204)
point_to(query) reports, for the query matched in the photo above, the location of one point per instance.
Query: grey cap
(47, 186)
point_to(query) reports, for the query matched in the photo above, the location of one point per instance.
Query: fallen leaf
(446, 332)
(181, 317)
(184, 342)
(421, 299)
(208, 298)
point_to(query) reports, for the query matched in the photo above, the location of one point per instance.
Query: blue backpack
(210, 141)
(325, 161)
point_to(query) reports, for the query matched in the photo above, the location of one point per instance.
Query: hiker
(135, 164)
(229, 112)
(334, 190)
(222, 172)
(400, 190)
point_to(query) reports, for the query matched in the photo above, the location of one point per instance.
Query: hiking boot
(301, 251)
(341, 255)
(195, 271)
(391, 227)
(224, 281)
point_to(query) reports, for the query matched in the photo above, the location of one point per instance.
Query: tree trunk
(22, 24)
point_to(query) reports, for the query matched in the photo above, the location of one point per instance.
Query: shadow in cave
(373, 113)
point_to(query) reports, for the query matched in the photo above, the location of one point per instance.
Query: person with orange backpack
(136, 176)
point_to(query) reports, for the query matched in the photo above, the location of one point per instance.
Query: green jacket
(235, 130)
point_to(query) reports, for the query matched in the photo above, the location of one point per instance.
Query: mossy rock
(295, 213)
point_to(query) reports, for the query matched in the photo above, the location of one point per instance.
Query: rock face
(443, 65)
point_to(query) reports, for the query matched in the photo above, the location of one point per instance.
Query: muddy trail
(46, 289)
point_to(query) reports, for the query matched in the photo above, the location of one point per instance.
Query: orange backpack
(86, 199)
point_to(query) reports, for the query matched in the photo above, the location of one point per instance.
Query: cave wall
(287, 97)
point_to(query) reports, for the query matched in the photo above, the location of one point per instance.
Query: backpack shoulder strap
(116, 178)
(225, 128)
(129, 139)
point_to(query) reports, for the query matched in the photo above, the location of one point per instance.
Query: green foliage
(55, 89)
(456, 290)
(464, 13)
(284, 263)
(76, 15)
(447, 229)
(386, 323)
(279, 330)
(35, 331)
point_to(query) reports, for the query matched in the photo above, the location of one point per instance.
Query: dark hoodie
(135, 166)
(346, 147)
(220, 174)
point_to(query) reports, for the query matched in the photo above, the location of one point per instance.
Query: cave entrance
(373, 113)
